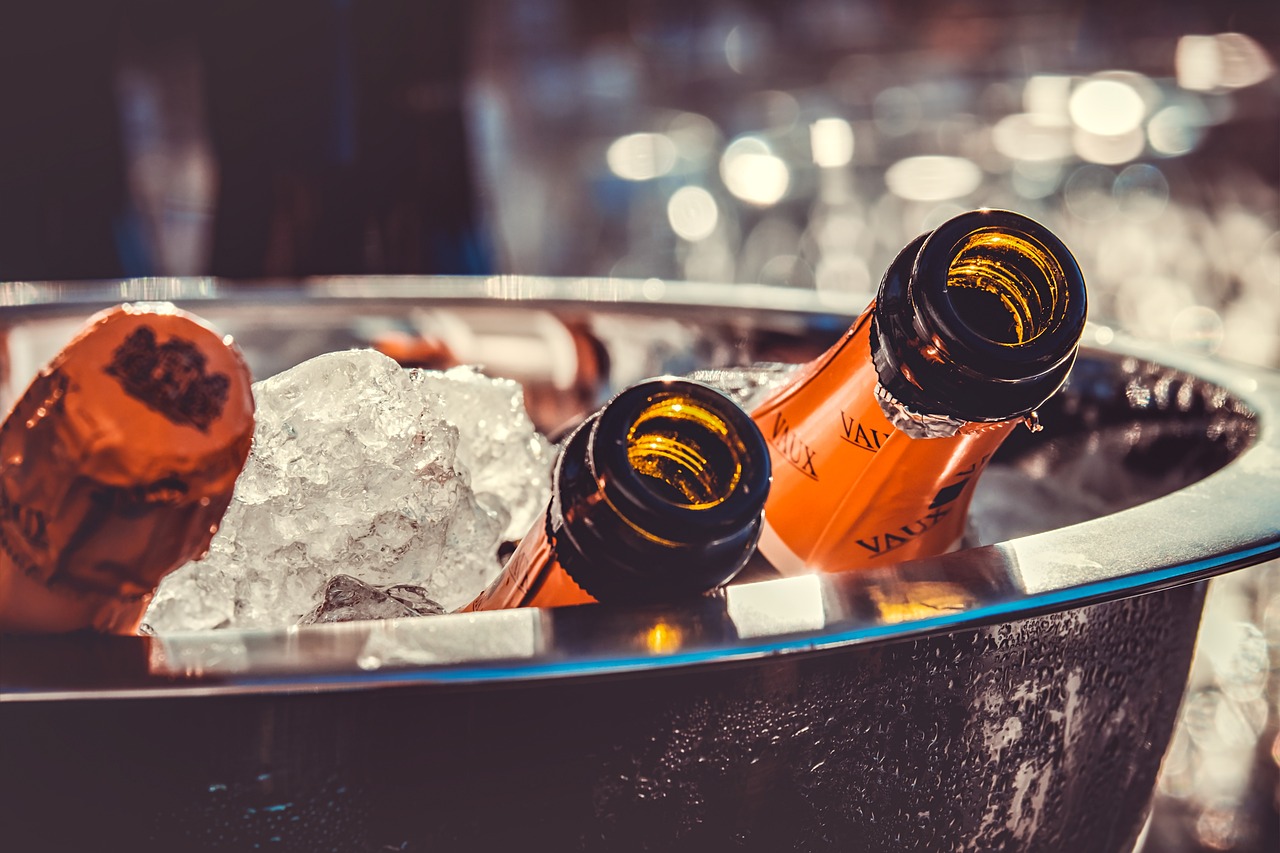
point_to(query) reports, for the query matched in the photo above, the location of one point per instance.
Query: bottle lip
(645, 509)
(929, 276)
(978, 379)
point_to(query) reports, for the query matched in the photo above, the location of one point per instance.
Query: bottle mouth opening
(661, 492)
(685, 454)
(679, 459)
(979, 319)
(1005, 286)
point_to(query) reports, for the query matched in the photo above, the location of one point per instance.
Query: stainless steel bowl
(1013, 696)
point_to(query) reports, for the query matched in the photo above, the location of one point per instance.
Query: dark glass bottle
(656, 496)
(878, 442)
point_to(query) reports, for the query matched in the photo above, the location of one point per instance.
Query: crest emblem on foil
(170, 378)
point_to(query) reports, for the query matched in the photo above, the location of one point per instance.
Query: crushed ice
(362, 468)
(345, 599)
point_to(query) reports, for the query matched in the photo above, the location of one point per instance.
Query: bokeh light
(1177, 129)
(932, 178)
(693, 213)
(1046, 95)
(831, 141)
(694, 135)
(1197, 327)
(897, 111)
(753, 173)
(1036, 179)
(1108, 150)
(641, 156)
(1106, 107)
(1142, 191)
(842, 273)
(1027, 136)
(1088, 193)
(1223, 61)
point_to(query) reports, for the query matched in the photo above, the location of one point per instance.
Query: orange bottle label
(849, 489)
(116, 466)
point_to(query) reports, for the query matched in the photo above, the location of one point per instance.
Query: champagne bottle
(116, 466)
(657, 495)
(878, 442)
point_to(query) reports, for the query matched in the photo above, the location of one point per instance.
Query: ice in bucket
(345, 599)
(362, 468)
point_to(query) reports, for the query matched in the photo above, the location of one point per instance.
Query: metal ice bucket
(1016, 696)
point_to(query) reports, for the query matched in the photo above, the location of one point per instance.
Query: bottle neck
(978, 320)
(659, 494)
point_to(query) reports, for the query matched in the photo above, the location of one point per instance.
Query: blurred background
(798, 143)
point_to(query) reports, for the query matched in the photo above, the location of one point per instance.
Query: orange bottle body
(116, 466)
(532, 577)
(849, 488)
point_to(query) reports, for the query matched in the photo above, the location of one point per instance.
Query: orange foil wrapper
(116, 466)
(850, 489)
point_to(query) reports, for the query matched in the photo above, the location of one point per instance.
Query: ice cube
(509, 460)
(415, 598)
(357, 469)
(747, 386)
(346, 599)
